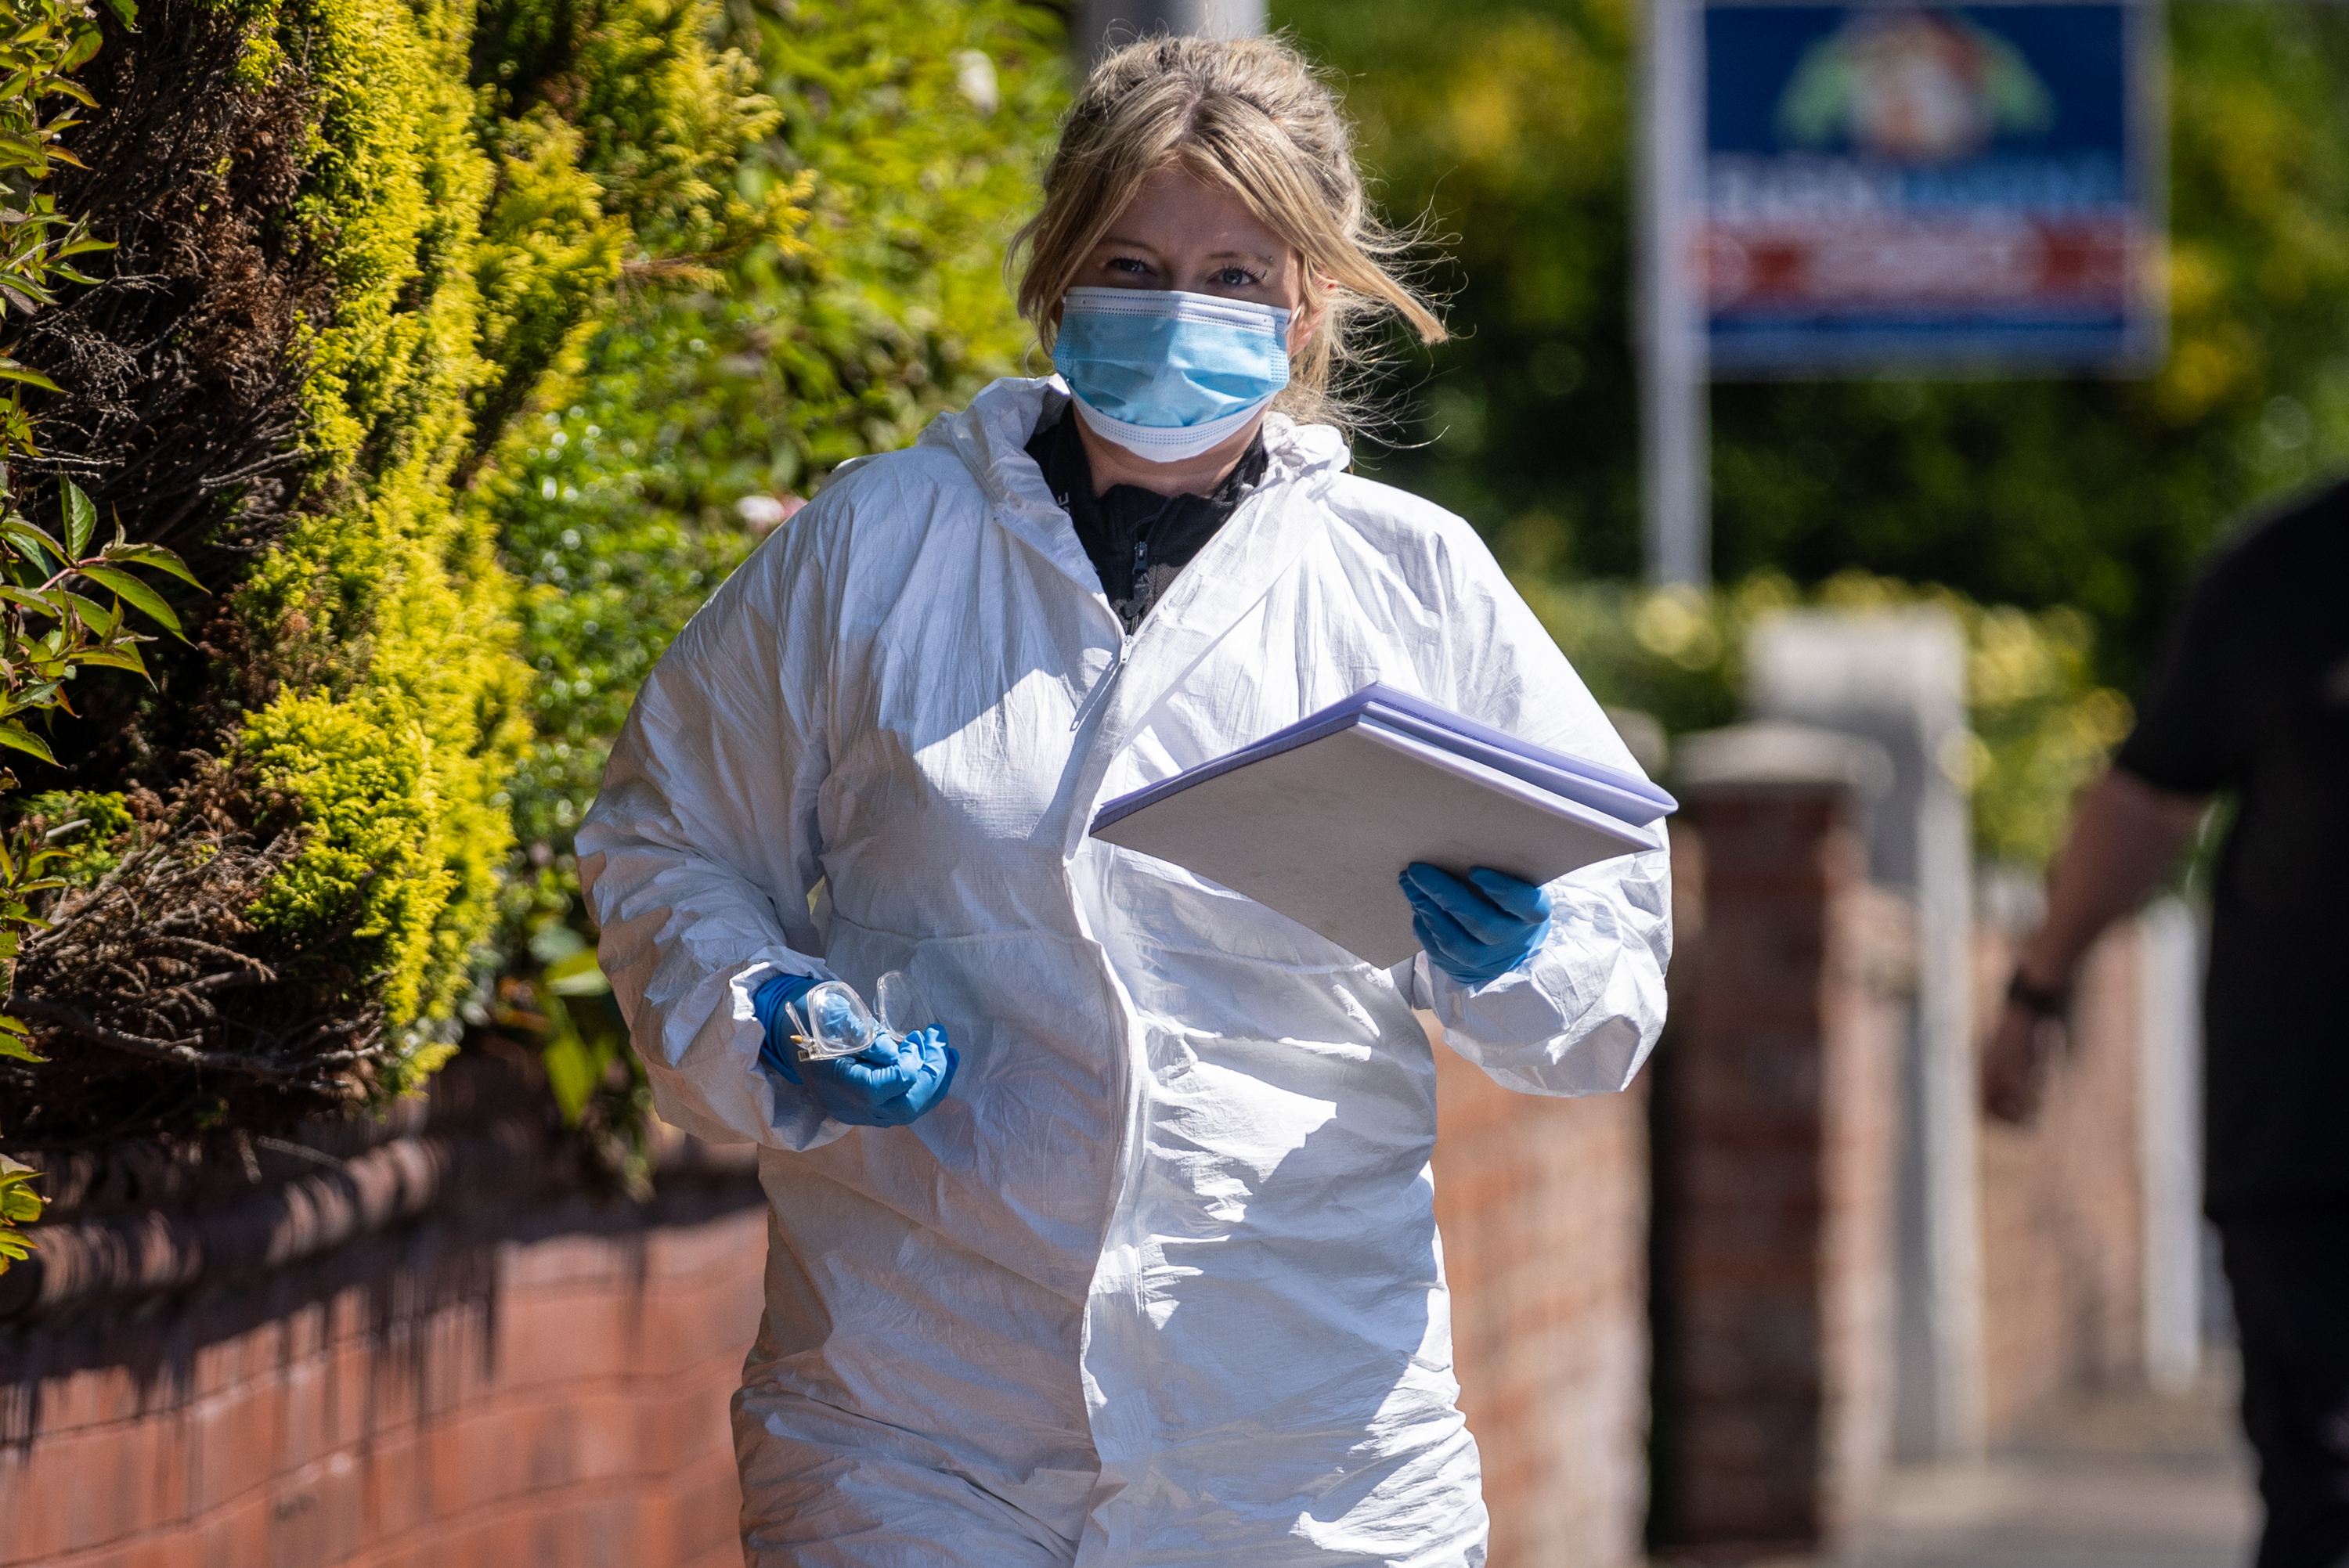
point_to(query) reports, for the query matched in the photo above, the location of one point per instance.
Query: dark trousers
(2291, 1282)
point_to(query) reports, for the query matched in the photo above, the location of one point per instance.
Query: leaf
(575, 1069)
(123, 657)
(553, 943)
(138, 595)
(576, 975)
(126, 12)
(81, 519)
(12, 1047)
(12, 371)
(100, 619)
(20, 530)
(24, 739)
(19, 1204)
(153, 555)
(39, 604)
(83, 246)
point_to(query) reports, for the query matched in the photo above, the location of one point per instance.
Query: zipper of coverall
(1125, 639)
(1120, 1238)
(1126, 645)
(1123, 1234)
(1126, 1156)
(1101, 687)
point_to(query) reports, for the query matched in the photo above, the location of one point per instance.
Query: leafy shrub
(375, 241)
(408, 296)
(620, 512)
(52, 628)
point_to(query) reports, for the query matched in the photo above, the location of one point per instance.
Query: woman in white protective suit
(1132, 1260)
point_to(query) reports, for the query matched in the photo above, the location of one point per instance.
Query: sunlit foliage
(2039, 723)
(1510, 121)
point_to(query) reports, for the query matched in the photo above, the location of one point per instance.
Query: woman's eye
(1134, 264)
(1236, 278)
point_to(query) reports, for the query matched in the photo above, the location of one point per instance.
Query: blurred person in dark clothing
(2252, 699)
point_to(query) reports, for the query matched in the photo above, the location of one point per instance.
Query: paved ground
(2121, 1482)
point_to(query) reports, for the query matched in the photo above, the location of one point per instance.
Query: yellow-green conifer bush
(360, 242)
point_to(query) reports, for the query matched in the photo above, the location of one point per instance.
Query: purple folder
(1316, 821)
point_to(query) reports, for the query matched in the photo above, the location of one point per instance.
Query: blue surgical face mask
(1168, 376)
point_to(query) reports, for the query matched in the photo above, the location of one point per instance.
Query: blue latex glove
(886, 1086)
(1475, 930)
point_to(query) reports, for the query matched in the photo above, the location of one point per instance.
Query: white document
(1321, 831)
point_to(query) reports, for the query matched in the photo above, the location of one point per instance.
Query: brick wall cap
(459, 1152)
(1772, 755)
(123, 1257)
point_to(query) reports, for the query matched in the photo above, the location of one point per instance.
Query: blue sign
(1969, 189)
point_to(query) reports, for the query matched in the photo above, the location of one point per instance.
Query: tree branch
(183, 1052)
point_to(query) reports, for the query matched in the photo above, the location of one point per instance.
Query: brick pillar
(1542, 1204)
(1777, 1137)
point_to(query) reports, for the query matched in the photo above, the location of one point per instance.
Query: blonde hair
(1253, 116)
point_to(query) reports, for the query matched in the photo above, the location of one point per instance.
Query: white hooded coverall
(1158, 1282)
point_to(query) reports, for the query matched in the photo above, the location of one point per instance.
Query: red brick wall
(461, 1369)
(2063, 1204)
(1781, 1121)
(1543, 1207)
(565, 1406)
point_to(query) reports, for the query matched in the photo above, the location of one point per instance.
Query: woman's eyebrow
(1120, 242)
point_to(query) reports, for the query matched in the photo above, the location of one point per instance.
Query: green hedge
(913, 134)
(462, 201)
